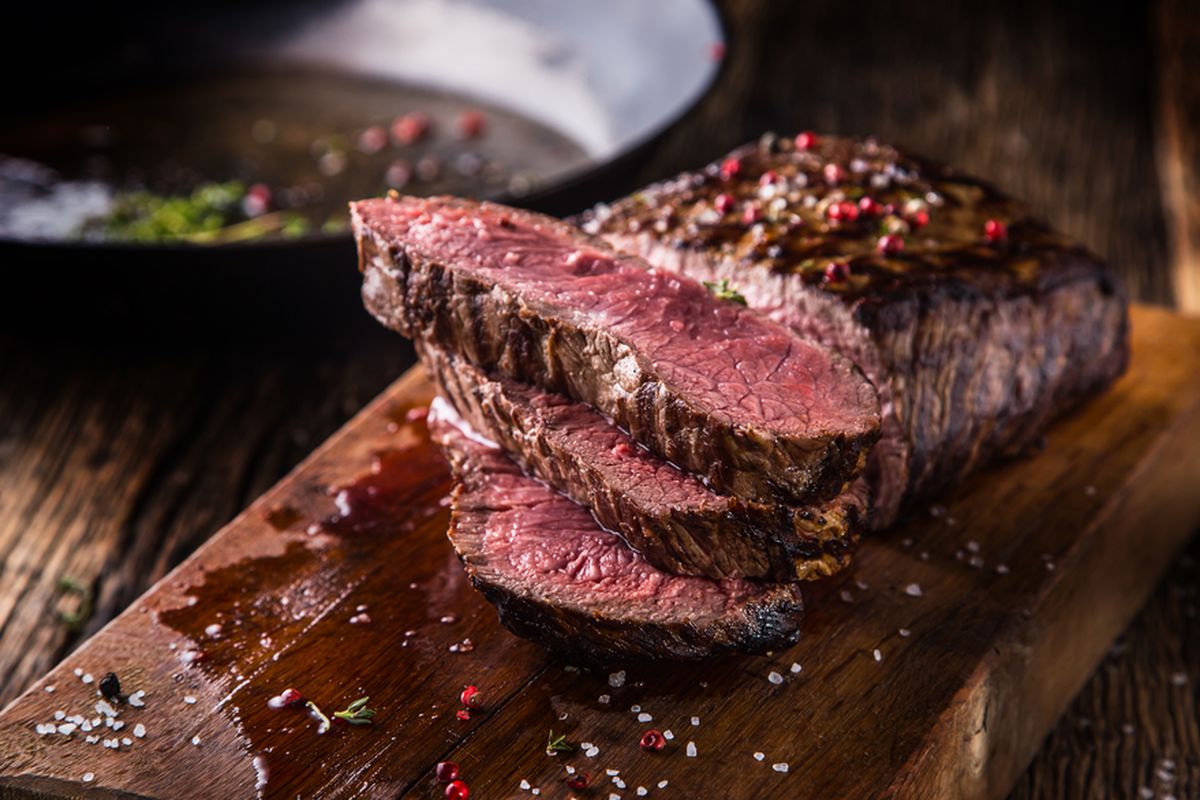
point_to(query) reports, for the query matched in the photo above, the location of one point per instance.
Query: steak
(558, 578)
(976, 322)
(671, 518)
(759, 412)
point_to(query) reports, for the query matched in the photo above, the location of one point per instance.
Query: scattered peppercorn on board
(932, 668)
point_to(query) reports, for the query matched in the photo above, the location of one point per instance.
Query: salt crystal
(49, 690)
(139, 730)
(535, 791)
(570, 769)
(1002, 569)
(691, 749)
(780, 767)
(105, 708)
(695, 721)
(524, 785)
(617, 679)
(60, 715)
(614, 796)
(904, 632)
(878, 655)
(620, 784)
(116, 726)
(449, 619)
(975, 562)
(135, 699)
(196, 741)
(592, 752)
(775, 678)
(78, 672)
(126, 741)
(796, 667)
(88, 777)
(663, 784)
(213, 630)
(913, 590)
(635, 708)
(644, 717)
(92, 739)
(87, 677)
(973, 546)
(1179, 679)
(642, 791)
(759, 756)
(67, 728)
(187, 698)
(610, 772)
(845, 596)
(603, 699)
(668, 734)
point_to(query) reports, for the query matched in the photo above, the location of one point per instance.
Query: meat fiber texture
(754, 409)
(976, 322)
(668, 516)
(560, 579)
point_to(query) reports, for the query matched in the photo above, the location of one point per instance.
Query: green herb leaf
(357, 712)
(723, 291)
(558, 744)
(76, 619)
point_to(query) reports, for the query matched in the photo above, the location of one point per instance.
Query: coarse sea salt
(617, 679)
(878, 655)
(644, 717)
(524, 784)
(88, 777)
(695, 721)
(187, 698)
(759, 756)
(196, 741)
(668, 734)
(663, 784)
(603, 699)
(913, 590)
(691, 749)
(780, 767)
(775, 678)
(139, 730)
(796, 667)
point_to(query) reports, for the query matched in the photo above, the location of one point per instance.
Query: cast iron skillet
(614, 76)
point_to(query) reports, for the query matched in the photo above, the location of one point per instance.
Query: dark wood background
(124, 444)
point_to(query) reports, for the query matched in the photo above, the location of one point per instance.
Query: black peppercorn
(110, 686)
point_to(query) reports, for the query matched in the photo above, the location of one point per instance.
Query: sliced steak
(706, 383)
(977, 323)
(558, 578)
(670, 517)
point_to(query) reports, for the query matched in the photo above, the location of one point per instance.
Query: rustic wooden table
(120, 451)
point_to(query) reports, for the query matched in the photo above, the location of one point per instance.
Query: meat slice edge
(670, 517)
(705, 383)
(556, 577)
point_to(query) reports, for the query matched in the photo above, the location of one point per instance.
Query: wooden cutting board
(933, 668)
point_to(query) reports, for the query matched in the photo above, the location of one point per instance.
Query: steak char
(558, 578)
(671, 518)
(761, 413)
(976, 322)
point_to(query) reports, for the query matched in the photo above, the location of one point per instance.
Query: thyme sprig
(357, 713)
(723, 291)
(558, 744)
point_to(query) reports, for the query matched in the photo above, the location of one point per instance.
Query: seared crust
(672, 519)
(975, 342)
(551, 345)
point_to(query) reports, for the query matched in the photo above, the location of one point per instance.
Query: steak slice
(558, 578)
(705, 383)
(976, 334)
(668, 516)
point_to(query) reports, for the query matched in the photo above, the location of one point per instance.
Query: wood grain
(1179, 144)
(953, 706)
(1060, 103)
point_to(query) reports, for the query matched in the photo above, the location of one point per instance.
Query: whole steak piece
(976, 322)
(671, 518)
(760, 412)
(558, 578)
